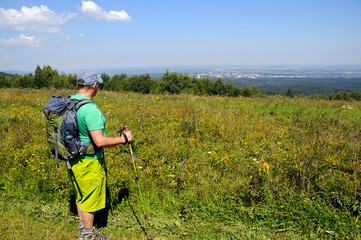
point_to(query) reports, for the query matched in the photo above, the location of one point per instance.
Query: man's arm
(101, 141)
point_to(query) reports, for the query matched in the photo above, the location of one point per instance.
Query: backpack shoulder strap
(82, 102)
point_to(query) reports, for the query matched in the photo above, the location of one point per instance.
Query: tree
(170, 83)
(38, 78)
(6, 81)
(142, 84)
(61, 81)
(2, 81)
(246, 91)
(207, 86)
(342, 95)
(15, 81)
(48, 75)
(255, 91)
(231, 89)
(45, 77)
(188, 84)
(107, 83)
(220, 87)
(289, 93)
(26, 81)
(116, 83)
(71, 82)
(356, 95)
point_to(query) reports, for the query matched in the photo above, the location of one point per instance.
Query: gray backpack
(62, 129)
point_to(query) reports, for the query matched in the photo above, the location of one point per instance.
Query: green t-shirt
(89, 118)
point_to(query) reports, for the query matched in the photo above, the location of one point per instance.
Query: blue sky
(73, 35)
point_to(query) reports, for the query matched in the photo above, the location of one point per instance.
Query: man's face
(96, 86)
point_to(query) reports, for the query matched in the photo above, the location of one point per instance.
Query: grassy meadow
(209, 168)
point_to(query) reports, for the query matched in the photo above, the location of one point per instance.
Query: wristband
(125, 137)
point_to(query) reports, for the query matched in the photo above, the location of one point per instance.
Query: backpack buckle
(48, 114)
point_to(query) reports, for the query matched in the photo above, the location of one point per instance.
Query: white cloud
(39, 19)
(29, 41)
(91, 9)
(81, 35)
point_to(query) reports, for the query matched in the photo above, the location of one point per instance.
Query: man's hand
(126, 134)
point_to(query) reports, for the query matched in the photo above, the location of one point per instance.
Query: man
(88, 174)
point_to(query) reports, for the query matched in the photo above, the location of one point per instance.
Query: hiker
(88, 173)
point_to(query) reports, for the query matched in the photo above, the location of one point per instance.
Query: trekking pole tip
(149, 237)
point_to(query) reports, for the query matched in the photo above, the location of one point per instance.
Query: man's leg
(87, 219)
(81, 223)
(87, 231)
(79, 212)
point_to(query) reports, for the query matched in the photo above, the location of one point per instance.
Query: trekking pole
(126, 128)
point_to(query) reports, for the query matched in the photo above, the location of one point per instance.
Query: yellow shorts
(89, 181)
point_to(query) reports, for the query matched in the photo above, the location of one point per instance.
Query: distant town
(279, 73)
(248, 72)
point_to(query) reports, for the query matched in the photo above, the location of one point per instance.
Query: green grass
(212, 168)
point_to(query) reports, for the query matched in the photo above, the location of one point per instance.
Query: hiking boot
(98, 230)
(80, 233)
(95, 236)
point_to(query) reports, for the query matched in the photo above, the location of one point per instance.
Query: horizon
(227, 72)
(80, 35)
(194, 68)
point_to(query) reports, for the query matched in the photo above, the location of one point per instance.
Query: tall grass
(211, 168)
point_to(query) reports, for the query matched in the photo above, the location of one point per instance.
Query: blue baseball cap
(89, 78)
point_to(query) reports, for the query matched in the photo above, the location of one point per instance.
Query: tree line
(172, 83)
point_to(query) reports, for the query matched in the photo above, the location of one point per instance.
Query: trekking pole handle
(126, 129)
(121, 131)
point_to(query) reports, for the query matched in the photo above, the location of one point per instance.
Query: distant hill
(307, 86)
(14, 72)
(5, 74)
